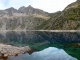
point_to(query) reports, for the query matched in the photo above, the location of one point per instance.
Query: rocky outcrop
(8, 50)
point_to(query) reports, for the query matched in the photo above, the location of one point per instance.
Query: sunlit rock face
(50, 53)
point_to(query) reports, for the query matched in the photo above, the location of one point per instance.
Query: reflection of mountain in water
(40, 40)
(32, 37)
(50, 53)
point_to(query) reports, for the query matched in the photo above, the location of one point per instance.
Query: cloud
(2, 6)
(46, 5)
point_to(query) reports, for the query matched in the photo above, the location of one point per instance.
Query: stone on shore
(8, 50)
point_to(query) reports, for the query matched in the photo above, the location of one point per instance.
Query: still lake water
(50, 45)
(50, 53)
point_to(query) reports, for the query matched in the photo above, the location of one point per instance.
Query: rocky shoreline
(7, 51)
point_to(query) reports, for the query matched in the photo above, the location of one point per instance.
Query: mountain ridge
(24, 10)
(68, 19)
(29, 18)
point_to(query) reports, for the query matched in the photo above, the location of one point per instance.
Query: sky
(46, 5)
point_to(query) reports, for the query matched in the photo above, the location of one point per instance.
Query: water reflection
(50, 53)
(32, 37)
(38, 38)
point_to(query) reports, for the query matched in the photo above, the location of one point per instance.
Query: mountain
(22, 11)
(68, 19)
(29, 18)
(30, 10)
(25, 18)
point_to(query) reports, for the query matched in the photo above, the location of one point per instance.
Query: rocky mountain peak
(13, 10)
(24, 9)
(10, 11)
(30, 6)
